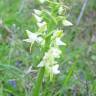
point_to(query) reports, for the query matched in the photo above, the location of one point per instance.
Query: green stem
(39, 82)
(69, 74)
(36, 90)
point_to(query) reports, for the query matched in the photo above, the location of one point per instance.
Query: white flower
(55, 69)
(46, 56)
(60, 11)
(49, 62)
(42, 26)
(58, 33)
(42, 1)
(67, 23)
(38, 18)
(32, 37)
(39, 39)
(41, 64)
(38, 12)
(59, 42)
(55, 52)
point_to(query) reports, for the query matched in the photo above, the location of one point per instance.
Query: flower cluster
(49, 59)
(42, 27)
(49, 62)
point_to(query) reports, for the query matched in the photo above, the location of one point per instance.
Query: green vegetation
(67, 71)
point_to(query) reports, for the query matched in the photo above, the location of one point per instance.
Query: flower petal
(59, 42)
(67, 23)
(38, 18)
(42, 26)
(38, 12)
(55, 52)
(42, 1)
(41, 64)
(27, 40)
(32, 36)
(55, 69)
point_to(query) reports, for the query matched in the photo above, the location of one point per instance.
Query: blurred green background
(77, 64)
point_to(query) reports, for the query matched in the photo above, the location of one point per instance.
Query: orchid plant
(48, 36)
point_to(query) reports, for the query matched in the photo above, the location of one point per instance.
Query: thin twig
(81, 12)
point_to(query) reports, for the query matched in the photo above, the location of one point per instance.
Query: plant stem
(39, 82)
(36, 90)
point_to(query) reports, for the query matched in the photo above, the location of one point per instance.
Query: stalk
(39, 82)
(38, 85)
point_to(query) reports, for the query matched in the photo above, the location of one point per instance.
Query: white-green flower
(38, 18)
(41, 64)
(59, 42)
(33, 37)
(58, 33)
(42, 26)
(67, 23)
(42, 1)
(55, 69)
(49, 62)
(61, 9)
(38, 12)
(55, 52)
